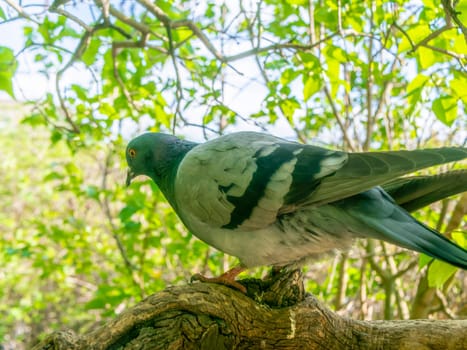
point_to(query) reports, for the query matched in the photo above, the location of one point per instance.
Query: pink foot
(227, 278)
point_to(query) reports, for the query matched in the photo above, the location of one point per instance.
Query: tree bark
(276, 314)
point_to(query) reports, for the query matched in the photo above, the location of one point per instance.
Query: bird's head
(155, 155)
(145, 153)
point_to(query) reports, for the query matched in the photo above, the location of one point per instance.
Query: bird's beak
(129, 176)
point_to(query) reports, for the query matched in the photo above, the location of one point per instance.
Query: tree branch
(424, 43)
(452, 14)
(338, 117)
(210, 316)
(21, 11)
(369, 84)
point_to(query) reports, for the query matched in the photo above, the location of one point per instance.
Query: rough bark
(276, 314)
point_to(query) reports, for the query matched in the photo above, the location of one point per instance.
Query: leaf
(45, 28)
(92, 192)
(128, 211)
(427, 57)
(461, 10)
(312, 84)
(8, 65)
(424, 260)
(80, 91)
(34, 119)
(53, 176)
(298, 2)
(310, 61)
(439, 272)
(89, 56)
(2, 14)
(460, 238)
(414, 92)
(445, 109)
(55, 136)
(458, 86)
(289, 106)
(288, 76)
(416, 84)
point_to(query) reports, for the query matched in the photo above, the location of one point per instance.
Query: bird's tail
(416, 236)
(400, 228)
(430, 242)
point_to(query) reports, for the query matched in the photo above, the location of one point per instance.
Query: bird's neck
(165, 170)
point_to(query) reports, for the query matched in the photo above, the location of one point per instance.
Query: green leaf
(445, 109)
(92, 192)
(45, 28)
(439, 272)
(80, 91)
(89, 56)
(427, 57)
(2, 14)
(8, 65)
(28, 31)
(416, 84)
(128, 211)
(55, 136)
(34, 119)
(289, 106)
(312, 84)
(458, 86)
(461, 10)
(460, 238)
(424, 260)
(53, 176)
(416, 34)
(414, 92)
(288, 76)
(298, 2)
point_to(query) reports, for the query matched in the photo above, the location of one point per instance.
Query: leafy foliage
(77, 246)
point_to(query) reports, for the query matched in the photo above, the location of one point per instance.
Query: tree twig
(453, 14)
(369, 84)
(338, 117)
(21, 11)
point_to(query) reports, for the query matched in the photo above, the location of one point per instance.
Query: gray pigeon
(269, 201)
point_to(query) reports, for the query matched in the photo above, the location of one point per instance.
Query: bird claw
(227, 279)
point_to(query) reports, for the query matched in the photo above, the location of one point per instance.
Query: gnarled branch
(209, 316)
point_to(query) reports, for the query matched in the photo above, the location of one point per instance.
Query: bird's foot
(227, 278)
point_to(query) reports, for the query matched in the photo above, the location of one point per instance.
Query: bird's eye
(132, 153)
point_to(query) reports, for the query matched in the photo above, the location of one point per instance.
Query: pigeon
(273, 202)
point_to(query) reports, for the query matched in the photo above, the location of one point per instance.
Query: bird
(274, 202)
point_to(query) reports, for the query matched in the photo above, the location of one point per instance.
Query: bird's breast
(293, 237)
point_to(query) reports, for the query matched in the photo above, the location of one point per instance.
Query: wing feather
(415, 192)
(369, 169)
(245, 180)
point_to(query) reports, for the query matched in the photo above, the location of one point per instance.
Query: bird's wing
(244, 180)
(415, 192)
(365, 170)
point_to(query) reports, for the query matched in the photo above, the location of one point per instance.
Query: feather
(416, 192)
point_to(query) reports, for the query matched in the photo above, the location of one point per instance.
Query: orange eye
(132, 152)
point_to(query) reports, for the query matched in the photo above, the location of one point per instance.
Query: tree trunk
(276, 314)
